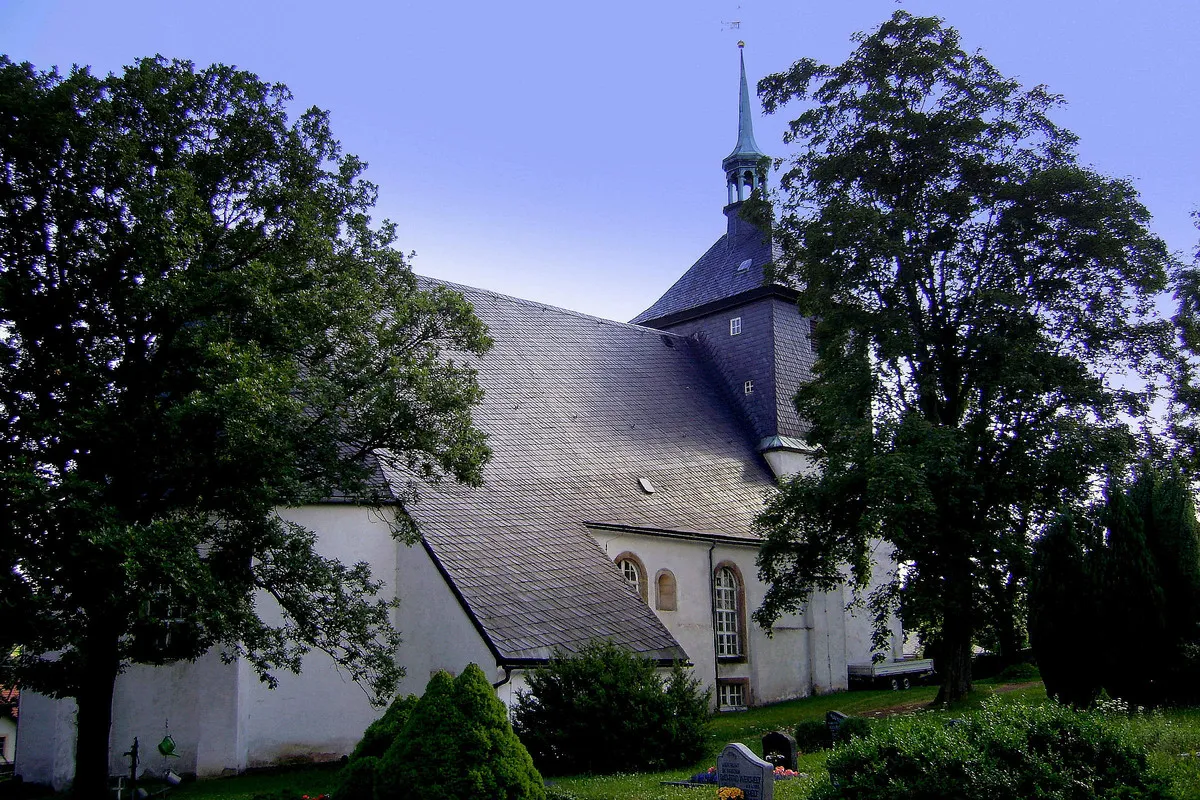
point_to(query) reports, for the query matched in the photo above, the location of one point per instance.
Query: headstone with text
(737, 766)
(833, 721)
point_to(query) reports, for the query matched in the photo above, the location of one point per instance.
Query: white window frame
(749, 387)
(735, 326)
(731, 695)
(726, 614)
(632, 574)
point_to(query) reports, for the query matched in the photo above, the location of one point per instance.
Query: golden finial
(741, 45)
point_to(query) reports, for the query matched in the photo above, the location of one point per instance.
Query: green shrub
(1002, 750)
(1021, 671)
(812, 736)
(606, 709)
(356, 781)
(382, 732)
(853, 728)
(457, 744)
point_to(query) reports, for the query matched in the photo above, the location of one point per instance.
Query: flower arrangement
(783, 774)
(730, 793)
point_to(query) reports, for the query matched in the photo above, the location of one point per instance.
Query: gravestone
(780, 748)
(738, 766)
(833, 721)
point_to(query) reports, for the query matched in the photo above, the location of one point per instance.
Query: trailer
(898, 674)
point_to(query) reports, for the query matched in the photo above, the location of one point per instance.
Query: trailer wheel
(906, 683)
(895, 684)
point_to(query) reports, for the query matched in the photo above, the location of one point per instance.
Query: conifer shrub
(356, 780)
(380, 734)
(606, 709)
(457, 744)
(1003, 750)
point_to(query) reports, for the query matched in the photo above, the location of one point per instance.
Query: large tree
(982, 299)
(199, 324)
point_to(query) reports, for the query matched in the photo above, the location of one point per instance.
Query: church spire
(744, 171)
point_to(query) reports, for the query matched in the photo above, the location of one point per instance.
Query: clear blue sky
(570, 152)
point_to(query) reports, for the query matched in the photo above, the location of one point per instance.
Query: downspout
(712, 602)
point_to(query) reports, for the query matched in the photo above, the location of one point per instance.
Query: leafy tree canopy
(981, 297)
(199, 324)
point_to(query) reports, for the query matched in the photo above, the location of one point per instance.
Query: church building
(629, 462)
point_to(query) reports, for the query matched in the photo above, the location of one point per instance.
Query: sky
(570, 153)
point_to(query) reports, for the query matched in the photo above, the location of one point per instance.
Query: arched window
(664, 595)
(727, 612)
(634, 573)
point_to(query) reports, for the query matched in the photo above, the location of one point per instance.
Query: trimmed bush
(356, 781)
(380, 734)
(457, 744)
(606, 709)
(1003, 750)
(812, 736)
(854, 728)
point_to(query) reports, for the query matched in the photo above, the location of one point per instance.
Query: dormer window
(735, 326)
(745, 265)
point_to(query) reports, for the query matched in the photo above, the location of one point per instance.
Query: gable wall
(772, 350)
(747, 356)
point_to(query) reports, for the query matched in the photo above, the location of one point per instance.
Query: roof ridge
(546, 306)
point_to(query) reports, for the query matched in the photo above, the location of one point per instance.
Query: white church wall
(321, 713)
(777, 667)
(860, 622)
(8, 740)
(195, 702)
(46, 740)
(438, 634)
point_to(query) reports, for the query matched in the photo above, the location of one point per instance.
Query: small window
(735, 326)
(749, 387)
(665, 594)
(634, 573)
(812, 335)
(731, 694)
(745, 265)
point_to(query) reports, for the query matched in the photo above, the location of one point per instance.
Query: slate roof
(577, 409)
(715, 277)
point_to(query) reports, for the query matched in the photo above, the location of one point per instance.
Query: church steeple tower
(744, 170)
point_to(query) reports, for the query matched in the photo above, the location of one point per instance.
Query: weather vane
(733, 24)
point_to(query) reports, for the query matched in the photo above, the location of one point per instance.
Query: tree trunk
(94, 702)
(953, 662)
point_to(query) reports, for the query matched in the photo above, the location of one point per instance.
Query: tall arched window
(634, 573)
(727, 612)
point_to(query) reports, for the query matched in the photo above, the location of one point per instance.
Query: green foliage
(1002, 750)
(854, 728)
(356, 781)
(1065, 626)
(1151, 584)
(458, 745)
(812, 735)
(605, 709)
(382, 732)
(201, 325)
(1020, 672)
(977, 291)
(1141, 576)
